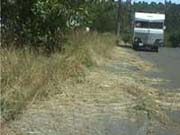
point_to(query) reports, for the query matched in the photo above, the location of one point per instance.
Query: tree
(39, 21)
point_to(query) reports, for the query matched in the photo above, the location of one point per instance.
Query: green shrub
(175, 39)
(37, 22)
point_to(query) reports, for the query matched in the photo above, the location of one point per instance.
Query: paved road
(168, 63)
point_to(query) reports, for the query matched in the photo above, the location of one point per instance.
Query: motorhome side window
(156, 25)
(153, 25)
(141, 24)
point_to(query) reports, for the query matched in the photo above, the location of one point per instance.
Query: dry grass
(83, 108)
(84, 103)
(131, 59)
(26, 77)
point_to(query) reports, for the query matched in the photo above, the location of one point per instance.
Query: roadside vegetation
(27, 77)
(50, 63)
(45, 43)
(45, 23)
(114, 87)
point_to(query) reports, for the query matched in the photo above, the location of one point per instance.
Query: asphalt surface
(167, 67)
(167, 62)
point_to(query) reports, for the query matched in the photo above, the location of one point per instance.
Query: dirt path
(115, 98)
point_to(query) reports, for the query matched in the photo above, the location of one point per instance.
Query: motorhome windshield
(152, 25)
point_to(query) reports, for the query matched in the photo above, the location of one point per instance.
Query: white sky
(173, 1)
(157, 1)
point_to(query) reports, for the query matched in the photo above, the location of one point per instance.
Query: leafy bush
(37, 22)
(104, 16)
(175, 39)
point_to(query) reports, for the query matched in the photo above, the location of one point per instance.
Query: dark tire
(135, 47)
(156, 49)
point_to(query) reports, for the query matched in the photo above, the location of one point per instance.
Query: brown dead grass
(124, 56)
(80, 106)
(27, 77)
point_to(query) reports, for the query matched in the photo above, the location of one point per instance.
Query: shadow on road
(145, 50)
(140, 49)
(125, 46)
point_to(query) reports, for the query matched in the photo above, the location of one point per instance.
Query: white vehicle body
(148, 29)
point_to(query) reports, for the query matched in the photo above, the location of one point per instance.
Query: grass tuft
(27, 78)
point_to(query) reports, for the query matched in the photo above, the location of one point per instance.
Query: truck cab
(148, 30)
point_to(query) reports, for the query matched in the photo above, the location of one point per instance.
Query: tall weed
(27, 78)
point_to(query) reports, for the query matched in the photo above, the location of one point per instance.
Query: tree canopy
(46, 21)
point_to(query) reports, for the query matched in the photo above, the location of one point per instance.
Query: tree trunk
(119, 18)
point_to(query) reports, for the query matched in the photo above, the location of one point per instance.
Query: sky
(173, 1)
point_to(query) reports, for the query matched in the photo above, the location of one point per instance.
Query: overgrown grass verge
(27, 78)
(106, 95)
(114, 90)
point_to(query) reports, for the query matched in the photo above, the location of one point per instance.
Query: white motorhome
(148, 30)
